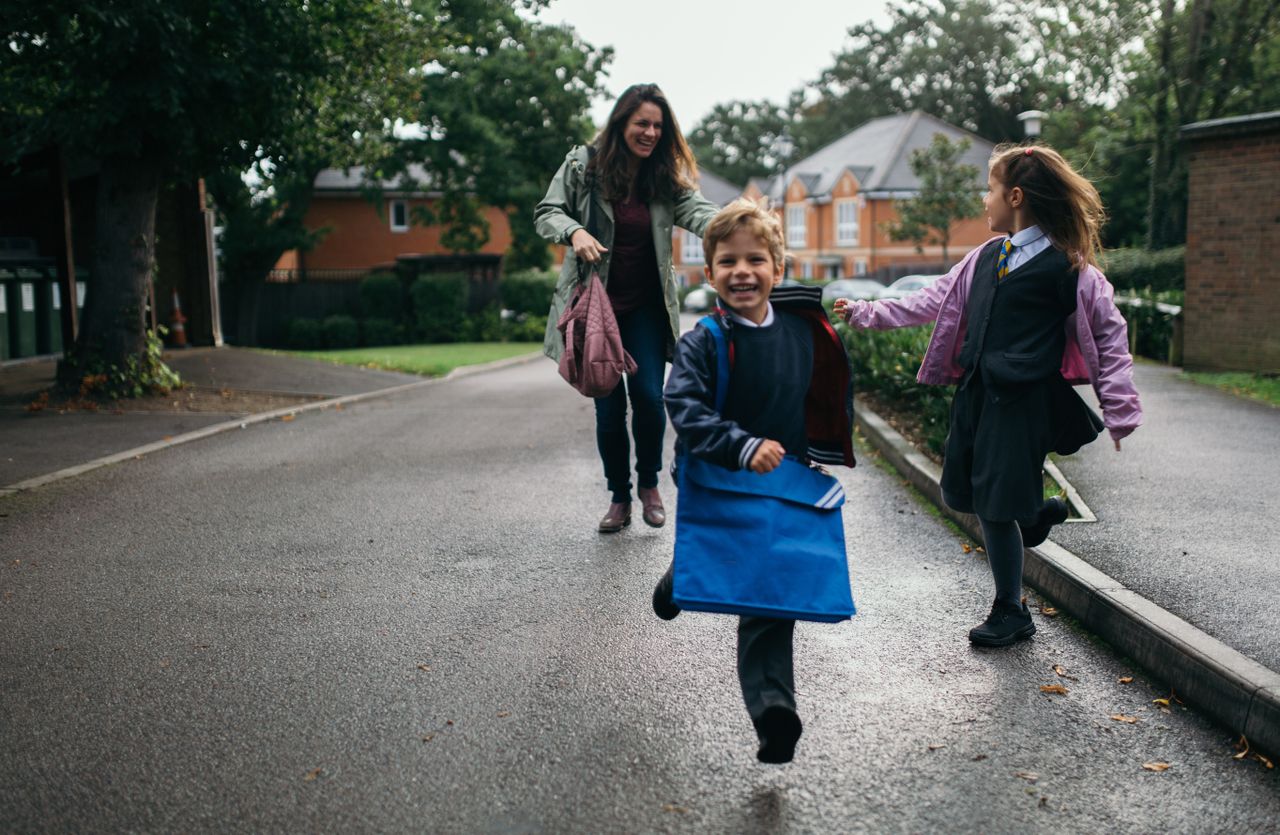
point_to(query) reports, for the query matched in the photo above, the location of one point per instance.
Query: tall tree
(154, 90)
(948, 193)
(744, 139)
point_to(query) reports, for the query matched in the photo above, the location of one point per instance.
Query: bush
(1150, 329)
(341, 332)
(304, 334)
(439, 306)
(885, 363)
(484, 326)
(382, 297)
(528, 291)
(380, 332)
(530, 328)
(1138, 269)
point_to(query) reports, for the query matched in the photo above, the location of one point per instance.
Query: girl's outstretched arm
(1121, 410)
(918, 308)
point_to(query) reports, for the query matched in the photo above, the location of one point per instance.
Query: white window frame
(847, 229)
(797, 236)
(403, 205)
(860, 267)
(691, 248)
(806, 269)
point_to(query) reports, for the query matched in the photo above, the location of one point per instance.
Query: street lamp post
(1031, 120)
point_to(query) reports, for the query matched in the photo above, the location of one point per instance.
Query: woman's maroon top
(634, 280)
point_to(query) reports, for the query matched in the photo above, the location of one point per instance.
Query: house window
(835, 269)
(691, 248)
(795, 226)
(399, 216)
(860, 267)
(847, 223)
(806, 269)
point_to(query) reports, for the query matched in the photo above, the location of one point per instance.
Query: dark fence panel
(259, 313)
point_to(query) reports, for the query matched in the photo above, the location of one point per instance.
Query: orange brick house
(836, 203)
(363, 238)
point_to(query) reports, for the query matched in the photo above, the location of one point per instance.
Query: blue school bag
(767, 545)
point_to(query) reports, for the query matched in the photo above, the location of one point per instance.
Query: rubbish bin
(49, 315)
(4, 317)
(20, 299)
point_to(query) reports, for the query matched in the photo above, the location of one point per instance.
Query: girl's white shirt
(1027, 244)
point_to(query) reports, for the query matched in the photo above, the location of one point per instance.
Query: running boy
(789, 393)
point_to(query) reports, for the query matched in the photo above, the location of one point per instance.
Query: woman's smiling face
(643, 130)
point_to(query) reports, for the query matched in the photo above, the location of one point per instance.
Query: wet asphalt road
(398, 617)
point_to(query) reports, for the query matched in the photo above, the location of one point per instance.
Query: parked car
(699, 299)
(907, 285)
(851, 288)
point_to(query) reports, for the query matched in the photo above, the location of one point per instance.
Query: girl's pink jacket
(1097, 349)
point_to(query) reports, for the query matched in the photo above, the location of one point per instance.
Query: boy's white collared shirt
(768, 318)
(1027, 244)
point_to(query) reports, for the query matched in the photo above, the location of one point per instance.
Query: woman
(643, 178)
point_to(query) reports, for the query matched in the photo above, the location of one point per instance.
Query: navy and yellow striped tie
(1002, 261)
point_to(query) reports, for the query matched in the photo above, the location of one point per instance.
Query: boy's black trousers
(765, 668)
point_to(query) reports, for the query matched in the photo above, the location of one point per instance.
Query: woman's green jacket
(557, 218)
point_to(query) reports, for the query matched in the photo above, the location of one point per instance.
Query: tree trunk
(1157, 192)
(114, 326)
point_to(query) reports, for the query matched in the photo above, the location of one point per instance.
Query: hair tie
(1028, 151)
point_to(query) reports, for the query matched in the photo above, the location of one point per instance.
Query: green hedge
(1138, 269)
(885, 364)
(528, 291)
(439, 307)
(382, 297)
(340, 331)
(1151, 331)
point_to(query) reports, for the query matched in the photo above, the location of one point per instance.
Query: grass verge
(1260, 387)
(427, 360)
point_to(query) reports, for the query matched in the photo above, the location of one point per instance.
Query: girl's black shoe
(663, 606)
(1053, 512)
(779, 729)
(1007, 624)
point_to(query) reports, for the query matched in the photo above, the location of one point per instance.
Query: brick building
(1233, 234)
(836, 202)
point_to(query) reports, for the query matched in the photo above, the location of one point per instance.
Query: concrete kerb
(249, 420)
(1204, 672)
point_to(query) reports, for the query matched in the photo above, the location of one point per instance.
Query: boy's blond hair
(752, 216)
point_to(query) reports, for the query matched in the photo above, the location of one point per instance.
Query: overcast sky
(703, 52)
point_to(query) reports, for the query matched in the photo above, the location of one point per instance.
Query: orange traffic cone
(177, 332)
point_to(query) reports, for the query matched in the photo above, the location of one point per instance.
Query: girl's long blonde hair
(1063, 204)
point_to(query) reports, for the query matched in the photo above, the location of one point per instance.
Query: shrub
(439, 306)
(382, 297)
(528, 291)
(304, 334)
(530, 328)
(1150, 329)
(341, 332)
(484, 326)
(379, 332)
(885, 363)
(1137, 269)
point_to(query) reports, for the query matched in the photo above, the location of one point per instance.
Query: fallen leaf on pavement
(1125, 679)
(503, 714)
(1053, 688)
(1161, 702)
(1157, 767)
(979, 757)
(425, 668)
(313, 774)
(1057, 668)
(1242, 748)
(671, 807)
(1048, 611)
(1263, 760)
(428, 737)
(1029, 776)
(934, 746)
(287, 418)
(980, 550)
(966, 547)
(1120, 717)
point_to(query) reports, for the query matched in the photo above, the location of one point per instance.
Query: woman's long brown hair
(1062, 203)
(670, 169)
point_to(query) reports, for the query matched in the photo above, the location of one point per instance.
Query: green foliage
(743, 139)
(528, 291)
(440, 306)
(304, 334)
(382, 296)
(948, 192)
(1150, 328)
(1130, 270)
(137, 376)
(885, 363)
(340, 331)
(380, 331)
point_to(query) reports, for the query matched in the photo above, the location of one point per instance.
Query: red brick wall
(1233, 240)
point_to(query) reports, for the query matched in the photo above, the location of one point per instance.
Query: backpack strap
(724, 358)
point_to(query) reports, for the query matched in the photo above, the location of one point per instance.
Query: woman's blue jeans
(644, 335)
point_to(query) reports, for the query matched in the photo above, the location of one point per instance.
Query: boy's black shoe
(1052, 512)
(663, 606)
(1007, 624)
(779, 731)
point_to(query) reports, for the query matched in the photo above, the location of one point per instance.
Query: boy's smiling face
(744, 274)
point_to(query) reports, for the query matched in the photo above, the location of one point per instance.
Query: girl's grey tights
(1004, 553)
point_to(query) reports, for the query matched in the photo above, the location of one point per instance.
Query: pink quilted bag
(594, 360)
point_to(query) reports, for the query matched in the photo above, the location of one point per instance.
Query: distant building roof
(716, 188)
(1233, 126)
(354, 179)
(878, 153)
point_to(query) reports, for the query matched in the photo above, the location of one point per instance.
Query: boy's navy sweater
(789, 383)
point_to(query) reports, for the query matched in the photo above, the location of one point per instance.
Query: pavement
(1177, 573)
